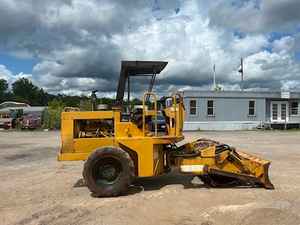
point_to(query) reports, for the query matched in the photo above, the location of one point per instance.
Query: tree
(24, 89)
(52, 115)
(3, 89)
(72, 101)
(42, 97)
(85, 105)
(104, 100)
(136, 101)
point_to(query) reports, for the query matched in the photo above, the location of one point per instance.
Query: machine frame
(130, 149)
(145, 147)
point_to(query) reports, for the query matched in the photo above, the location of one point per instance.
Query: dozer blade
(259, 168)
(223, 165)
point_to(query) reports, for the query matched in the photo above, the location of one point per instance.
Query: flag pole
(214, 85)
(242, 65)
(241, 70)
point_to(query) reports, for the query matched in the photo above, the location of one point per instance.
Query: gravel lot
(36, 189)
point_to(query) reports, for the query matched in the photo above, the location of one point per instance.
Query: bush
(52, 115)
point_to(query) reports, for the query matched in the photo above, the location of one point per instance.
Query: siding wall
(230, 114)
(231, 109)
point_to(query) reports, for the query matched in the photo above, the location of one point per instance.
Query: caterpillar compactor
(120, 144)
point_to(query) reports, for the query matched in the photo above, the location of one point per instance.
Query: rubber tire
(125, 178)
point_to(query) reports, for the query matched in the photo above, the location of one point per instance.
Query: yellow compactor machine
(118, 145)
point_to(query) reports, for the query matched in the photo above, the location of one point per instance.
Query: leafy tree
(3, 89)
(42, 97)
(85, 105)
(52, 115)
(105, 100)
(136, 101)
(24, 89)
(72, 101)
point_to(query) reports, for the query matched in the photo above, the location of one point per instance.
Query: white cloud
(249, 44)
(271, 70)
(6, 74)
(257, 16)
(285, 44)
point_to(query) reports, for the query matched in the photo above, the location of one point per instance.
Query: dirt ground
(36, 189)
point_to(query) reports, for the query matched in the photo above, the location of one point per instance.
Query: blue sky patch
(297, 55)
(17, 65)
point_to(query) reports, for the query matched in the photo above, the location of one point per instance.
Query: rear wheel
(108, 172)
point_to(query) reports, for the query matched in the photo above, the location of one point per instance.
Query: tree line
(23, 90)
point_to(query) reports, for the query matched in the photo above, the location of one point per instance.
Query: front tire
(108, 172)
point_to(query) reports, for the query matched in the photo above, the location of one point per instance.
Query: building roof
(242, 94)
(13, 104)
(29, 109)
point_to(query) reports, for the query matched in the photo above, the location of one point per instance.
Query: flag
(241, 67)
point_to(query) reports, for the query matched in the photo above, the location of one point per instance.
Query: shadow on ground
(158, 182)
(174, 178)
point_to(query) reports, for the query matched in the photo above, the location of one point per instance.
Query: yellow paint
(149, 146)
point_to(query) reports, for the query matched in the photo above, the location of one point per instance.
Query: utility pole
(241, 71)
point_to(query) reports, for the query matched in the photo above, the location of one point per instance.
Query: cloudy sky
(74, 46)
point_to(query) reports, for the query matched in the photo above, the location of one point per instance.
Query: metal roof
(240, 94)
(25, 109)
(13, 104)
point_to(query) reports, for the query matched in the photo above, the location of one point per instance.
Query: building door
(279, 111)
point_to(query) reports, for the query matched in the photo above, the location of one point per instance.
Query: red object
(31, 122)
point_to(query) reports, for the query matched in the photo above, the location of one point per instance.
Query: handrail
(174, 97)
(175, 112)
(146, 94)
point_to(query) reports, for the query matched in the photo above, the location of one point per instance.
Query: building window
(251, 109)
(193, 107)
(274, 111)
(210, 108)
(294, 108)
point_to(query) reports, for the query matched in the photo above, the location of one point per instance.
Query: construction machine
(118, 145)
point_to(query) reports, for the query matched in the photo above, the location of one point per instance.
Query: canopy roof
(137, 68)
(133, 68)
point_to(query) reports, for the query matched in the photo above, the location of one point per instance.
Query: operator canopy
(137, 68)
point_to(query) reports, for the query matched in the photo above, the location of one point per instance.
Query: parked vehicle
(30, 122)
(5, 121)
